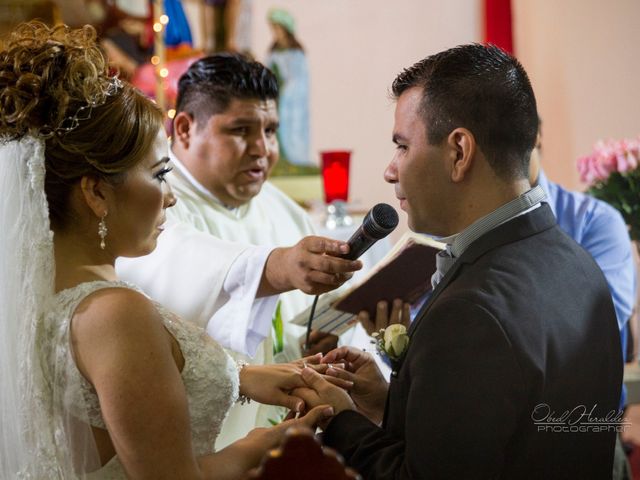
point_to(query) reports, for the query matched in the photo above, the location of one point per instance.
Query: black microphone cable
(311, 314)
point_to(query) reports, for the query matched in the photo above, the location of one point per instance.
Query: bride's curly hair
(47, 75)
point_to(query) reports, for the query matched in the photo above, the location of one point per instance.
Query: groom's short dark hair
(481, 88)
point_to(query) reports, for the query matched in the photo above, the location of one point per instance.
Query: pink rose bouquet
(612, 172)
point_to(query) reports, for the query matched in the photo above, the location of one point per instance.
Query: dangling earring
(102, 231)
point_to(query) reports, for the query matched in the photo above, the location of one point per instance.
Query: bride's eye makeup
(161, 174)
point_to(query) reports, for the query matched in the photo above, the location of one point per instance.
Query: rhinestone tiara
(83, 113)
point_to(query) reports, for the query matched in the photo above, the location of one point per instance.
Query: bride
(98, 381)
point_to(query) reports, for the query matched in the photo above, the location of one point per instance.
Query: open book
(405, 272)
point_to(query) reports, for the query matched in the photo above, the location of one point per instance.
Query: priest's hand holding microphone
(379, 222)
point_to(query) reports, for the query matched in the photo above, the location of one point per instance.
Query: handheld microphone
(379, 222)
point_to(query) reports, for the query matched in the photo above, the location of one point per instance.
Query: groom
(513, 367)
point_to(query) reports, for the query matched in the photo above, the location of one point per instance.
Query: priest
(224, 146)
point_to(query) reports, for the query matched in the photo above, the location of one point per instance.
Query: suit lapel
(536, 221)
(439, 288)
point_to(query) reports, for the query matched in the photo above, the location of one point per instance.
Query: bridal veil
(39, 437)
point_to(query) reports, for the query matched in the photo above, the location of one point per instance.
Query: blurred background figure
(220, 19)
(178, 33)
(288, 62)
(123, 26)
(223, 25)
(125, 32)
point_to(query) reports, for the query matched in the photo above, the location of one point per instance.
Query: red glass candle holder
(335, 175)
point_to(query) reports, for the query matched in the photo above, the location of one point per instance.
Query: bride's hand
(271, 437)
(271, 384)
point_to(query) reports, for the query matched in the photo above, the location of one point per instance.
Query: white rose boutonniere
(392, 341)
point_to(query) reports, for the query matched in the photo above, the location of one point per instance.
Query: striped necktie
(444, 261)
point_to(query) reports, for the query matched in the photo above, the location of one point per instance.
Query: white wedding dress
(209, 374)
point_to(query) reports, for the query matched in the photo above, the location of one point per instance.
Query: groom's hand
(320, 391)
(369, 388)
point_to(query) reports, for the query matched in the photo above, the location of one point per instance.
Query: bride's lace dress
(209, 374)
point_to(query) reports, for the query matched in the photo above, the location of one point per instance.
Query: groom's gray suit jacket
(520, 331)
